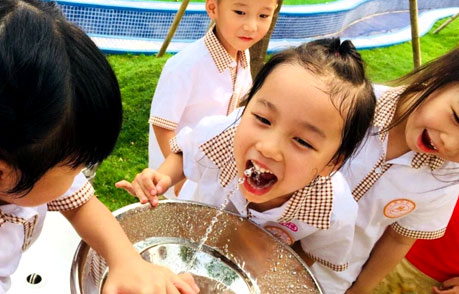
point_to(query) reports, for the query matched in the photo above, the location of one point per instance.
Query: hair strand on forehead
(342, 69)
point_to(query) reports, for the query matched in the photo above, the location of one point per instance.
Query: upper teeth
(260, 169)
(432, 144)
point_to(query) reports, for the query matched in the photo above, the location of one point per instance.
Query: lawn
(138, 76)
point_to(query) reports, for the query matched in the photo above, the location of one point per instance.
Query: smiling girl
(405, 178)
(307, 112)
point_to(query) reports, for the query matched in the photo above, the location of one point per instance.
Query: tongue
(263, 179)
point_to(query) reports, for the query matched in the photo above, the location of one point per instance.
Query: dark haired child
(307, 112)
(208, 77)
(60, 110)
(405, 178)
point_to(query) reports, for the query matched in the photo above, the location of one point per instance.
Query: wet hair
(340, 66)
(427, 79)
(60, 102)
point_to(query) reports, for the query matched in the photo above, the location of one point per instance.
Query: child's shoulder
(214, 125)
(342, 194)
(191, 56)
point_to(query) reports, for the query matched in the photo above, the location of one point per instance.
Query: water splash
(214, 220)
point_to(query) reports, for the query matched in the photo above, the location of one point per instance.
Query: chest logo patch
(291, 226)
(398, 208)
(280, 234)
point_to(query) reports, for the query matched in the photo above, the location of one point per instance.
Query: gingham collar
(219, 54)
(384, 113)
(311, 204)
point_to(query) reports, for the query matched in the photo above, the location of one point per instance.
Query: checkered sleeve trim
(418, 234)
(73, 201)
(162, 123)
(330, 265)
(28, 225)
(174, 146)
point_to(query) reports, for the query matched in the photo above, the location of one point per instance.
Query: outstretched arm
(163, 136)
(150, 183)
(129, 273)
(386, 253)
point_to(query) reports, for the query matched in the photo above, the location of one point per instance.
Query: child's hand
(143, 277)
(146, 186)
(450, 286)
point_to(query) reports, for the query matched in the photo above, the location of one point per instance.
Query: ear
(6, 176)
(332, 166)
(211, 8)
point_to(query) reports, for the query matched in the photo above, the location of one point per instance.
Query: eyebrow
(304, 124)
(240, 4)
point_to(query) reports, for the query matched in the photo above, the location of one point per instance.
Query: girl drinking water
(307, 112)
(405, 178)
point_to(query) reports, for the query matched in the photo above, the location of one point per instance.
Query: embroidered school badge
(280, 234)
(398, 208)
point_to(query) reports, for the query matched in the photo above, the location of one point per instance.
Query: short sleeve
(429, 221)
(78, 194)
(11, 243)
(172, 95)
(332, 247)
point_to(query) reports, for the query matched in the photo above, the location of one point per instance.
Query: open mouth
(258, 179)
(425, 142)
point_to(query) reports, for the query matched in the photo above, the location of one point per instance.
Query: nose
(250, 25)
(270, 148)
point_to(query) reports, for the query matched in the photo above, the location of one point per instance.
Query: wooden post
(258, 50)
(446, 23)
(415, 33)
(173, 28)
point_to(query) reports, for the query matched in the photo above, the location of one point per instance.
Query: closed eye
(303, 143)
(456, 118)
(262, 119)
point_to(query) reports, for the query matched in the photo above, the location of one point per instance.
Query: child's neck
(270, 204)
(396, 142)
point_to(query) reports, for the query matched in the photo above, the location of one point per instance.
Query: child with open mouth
(277, 157)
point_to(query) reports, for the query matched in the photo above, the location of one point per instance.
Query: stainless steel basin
(238, 257)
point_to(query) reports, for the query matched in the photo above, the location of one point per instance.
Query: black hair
(425, 80)
(342, 68)
(59, 98)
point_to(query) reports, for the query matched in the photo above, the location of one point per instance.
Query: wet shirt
(322, 216)
(20, 226)
(414, 194)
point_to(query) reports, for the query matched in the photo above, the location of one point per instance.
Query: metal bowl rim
(75, 282)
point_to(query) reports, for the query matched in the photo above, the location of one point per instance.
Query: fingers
(446, 290)
(171, 289)
(126, 186)
(451, 282)
(186, 284)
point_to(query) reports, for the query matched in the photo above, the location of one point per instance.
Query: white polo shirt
(201, 80)
(321, 216)
(20, 226)
(415, 194)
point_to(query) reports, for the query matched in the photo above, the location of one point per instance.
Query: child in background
(431, 266)
(306, 113)
(60, 110)
(405, 176)
(208, 77)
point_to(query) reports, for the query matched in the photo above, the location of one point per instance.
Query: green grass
(138, 76)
